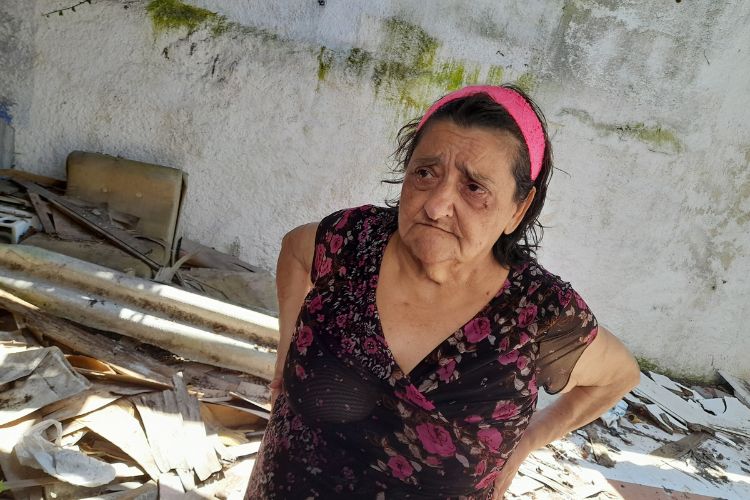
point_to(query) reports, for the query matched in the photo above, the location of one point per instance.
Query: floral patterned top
(349, 423)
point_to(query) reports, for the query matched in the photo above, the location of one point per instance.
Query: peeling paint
(654, 136)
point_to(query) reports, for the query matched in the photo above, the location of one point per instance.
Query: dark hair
(480, 110)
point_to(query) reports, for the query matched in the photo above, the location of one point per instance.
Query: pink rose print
(325, 267)
(342, 271)
(347, 344)
(431, 460)
(400, 467)
(508, 357)
(486, 480)
(371, 347)
(296, 423)
(300, 372)
(480, 468)
(340, 224)
(304, 338)
(336, 242)
(524, 338)
(473, 419)
(503, 346)
(491, 438)
(320, 252)
(532, 386)
(527, 316)
(445, 371)
(477, 329)
(341, 320)
(522, 362)
(436, 440)
(316, 304)
(414, 396)
(564, 297)
(579, 301)
(504, 411)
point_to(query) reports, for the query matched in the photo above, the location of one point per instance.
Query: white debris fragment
(66, 464)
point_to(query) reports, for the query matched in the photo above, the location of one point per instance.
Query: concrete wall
(282, 112)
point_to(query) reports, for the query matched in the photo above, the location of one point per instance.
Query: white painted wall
(654, 235)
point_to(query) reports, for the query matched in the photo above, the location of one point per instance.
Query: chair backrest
(153, 193)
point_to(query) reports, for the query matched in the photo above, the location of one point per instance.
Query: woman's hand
(507, 474)
(275, 386)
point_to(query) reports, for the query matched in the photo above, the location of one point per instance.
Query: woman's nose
(440, 202)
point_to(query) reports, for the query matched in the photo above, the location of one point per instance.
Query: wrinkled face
(458, 194)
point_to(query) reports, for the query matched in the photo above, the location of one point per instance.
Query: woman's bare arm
(292, 285)
(604, 373)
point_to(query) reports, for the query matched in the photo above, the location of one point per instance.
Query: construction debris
(182, 322)
(105, 388)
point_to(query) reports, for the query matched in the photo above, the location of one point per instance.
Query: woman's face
(458, 194)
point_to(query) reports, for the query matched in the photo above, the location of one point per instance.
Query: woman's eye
(423, 172)
(475, 188)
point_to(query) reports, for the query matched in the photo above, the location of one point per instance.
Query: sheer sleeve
(567, 337)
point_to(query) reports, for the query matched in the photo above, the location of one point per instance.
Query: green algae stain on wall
(654, 136)
(405, 70)
(526, 82)
(172, 14)
(357, 60)
(495, 75)
(325, 61)
(409, 73)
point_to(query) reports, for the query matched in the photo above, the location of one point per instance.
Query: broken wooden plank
(116, 424)
(21, 175)
(85, 402)
(170, 487)
(97, 224)
(677, 449)
(202, 456)
(162, 421)
(43, 212)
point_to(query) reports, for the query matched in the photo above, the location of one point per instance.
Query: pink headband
(519, 109)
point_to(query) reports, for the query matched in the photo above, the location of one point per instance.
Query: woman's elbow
(631, 375)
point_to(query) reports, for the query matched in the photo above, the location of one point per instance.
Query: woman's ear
(520, 212)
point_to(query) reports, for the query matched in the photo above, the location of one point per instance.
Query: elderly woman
(413, 339)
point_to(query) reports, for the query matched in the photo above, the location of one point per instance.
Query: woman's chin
(433, 252)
